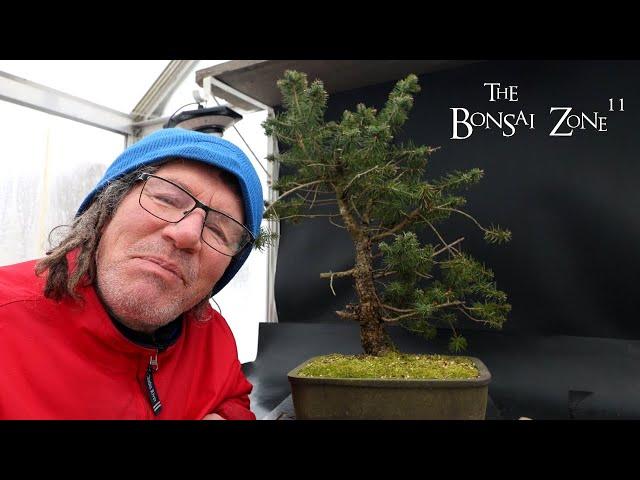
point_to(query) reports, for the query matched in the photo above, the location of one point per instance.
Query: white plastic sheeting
(244, 300)
(48, 164)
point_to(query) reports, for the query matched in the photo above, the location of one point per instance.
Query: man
(115, 322)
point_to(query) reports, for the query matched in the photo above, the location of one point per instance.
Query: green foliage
(399, 293)
(438, 293)
(458, 179)
(396, 111)
(264, 239)
(497, 235)
(462, 273)
(357, 171)
(423, 309)
(457, 343)
(421, 327)
(494, 313)
(406, 257)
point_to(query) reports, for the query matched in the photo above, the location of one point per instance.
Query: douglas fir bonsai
(354, 173)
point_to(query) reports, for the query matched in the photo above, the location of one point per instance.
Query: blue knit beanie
(201, 147)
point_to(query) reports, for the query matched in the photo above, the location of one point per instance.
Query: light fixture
(214, 120)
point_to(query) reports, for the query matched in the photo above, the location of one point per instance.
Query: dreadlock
(85, 234)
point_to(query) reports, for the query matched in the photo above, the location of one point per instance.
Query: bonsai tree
(354, 173)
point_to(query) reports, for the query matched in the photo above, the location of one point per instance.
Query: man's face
(150, 271)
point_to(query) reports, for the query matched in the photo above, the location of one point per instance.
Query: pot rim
(484, 378)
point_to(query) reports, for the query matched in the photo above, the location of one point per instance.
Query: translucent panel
(244, 300)
(117, 84)
(49, 164)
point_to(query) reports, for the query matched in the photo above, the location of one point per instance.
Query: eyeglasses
(169, 202)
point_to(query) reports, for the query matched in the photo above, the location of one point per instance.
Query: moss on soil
(392, 365)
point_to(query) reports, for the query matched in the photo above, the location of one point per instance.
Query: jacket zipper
(152, 392)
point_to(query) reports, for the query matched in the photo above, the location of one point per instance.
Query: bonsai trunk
(373, 337)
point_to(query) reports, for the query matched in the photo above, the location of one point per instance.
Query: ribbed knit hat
(201, 147)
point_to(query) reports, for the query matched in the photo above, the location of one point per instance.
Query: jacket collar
(96, 321)
(111, 332)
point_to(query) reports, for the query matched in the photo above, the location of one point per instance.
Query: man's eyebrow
(179, 183)
(188, 189)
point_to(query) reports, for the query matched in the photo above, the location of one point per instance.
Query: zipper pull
(154, 399)
(153, 362)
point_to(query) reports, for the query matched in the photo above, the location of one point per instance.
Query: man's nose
(186, 234)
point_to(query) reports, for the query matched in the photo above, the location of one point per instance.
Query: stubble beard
(144, 302)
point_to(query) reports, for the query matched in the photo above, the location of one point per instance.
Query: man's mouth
(166, 265)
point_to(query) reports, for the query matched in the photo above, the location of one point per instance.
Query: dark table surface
(539, 377)
(285, 411)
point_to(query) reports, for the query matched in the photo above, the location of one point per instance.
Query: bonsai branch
(349, 221)
(412, 312)
(359, 175)
(446, 247)
(453, 251)
(399, 310)
(355, 209)
(347, 315)
(449, 304)
(330, 276)
(322, 165)
(308, 215)
(400, 317)
(455, 334)
(324, 201)
(384, 274)
(381, 273)
(335, 224)
(315, 182)
(466, 215)
(346, 273)
(413, 216)
(463, 310)
(315, 196)
(425, 276)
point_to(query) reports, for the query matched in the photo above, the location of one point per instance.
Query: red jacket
(65, 360)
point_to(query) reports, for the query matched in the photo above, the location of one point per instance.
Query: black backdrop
(573, 263)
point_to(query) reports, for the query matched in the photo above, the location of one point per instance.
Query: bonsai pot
(316, 398)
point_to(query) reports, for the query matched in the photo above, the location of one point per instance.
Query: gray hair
(85, 233)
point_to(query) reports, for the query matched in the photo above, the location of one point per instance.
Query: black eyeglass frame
(198, 204)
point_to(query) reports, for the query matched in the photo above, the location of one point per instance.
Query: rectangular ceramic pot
(389, 399)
